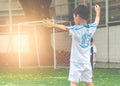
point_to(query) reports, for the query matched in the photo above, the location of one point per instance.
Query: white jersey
(81, 36)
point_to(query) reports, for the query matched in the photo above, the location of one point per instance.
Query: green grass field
(51, 77)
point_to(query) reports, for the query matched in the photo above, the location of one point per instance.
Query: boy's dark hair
(83, 11)
(91, 40)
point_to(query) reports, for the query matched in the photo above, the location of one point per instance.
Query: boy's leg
(89, 83)
(87, 76)
(74, 83)
(75, 74)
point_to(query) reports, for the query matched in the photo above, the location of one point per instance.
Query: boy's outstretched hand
(47, 23)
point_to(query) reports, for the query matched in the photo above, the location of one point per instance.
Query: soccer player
(81, 33)
(93, 51)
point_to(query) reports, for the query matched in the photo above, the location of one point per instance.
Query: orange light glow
(11, 44)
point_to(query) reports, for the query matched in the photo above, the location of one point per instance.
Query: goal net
(45, 47)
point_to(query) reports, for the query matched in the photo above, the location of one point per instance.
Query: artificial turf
(54, 77)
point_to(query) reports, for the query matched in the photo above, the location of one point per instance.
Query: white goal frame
(36, 43)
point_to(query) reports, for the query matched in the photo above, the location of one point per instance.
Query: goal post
(61, 45)
(29, 25)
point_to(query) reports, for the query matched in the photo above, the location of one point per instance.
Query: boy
(81, 32)
(93, 51)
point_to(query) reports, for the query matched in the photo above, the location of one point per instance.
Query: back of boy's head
(91, 40)
(83, 11)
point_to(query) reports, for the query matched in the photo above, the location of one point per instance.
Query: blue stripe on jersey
(77, 27)
(93, 25)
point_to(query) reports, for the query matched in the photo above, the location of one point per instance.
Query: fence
(31, 45)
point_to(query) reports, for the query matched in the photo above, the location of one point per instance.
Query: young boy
(81, 32)
(93, 51)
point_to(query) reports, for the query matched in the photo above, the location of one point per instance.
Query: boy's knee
(89, 84)
(74, 83)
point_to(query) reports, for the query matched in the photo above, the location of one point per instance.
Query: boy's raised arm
(97, 10)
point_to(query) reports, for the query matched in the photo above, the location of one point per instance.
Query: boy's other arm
(49, 24)
(94, 57)
(58, 26)
(97, 10)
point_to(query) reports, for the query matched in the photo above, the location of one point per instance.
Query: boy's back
(81, 35)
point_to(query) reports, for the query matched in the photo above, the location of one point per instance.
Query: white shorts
(80, 72)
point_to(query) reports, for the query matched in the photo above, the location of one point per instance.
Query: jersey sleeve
(93, 25)
(70, 28)
(92, 28)
(73, 29)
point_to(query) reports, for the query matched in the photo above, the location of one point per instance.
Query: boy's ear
(78, 16)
